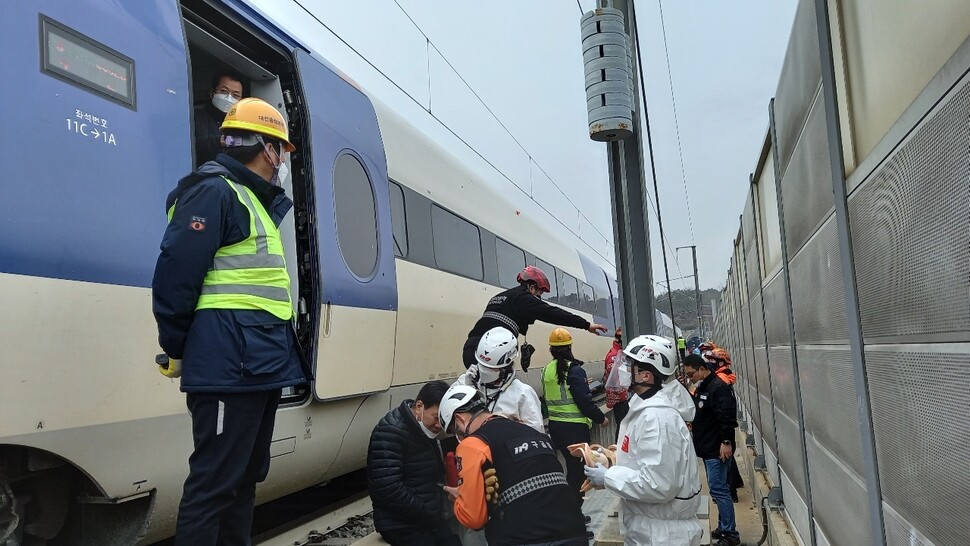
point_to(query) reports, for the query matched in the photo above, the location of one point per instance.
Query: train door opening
(219, 46)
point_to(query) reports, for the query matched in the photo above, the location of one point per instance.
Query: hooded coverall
(655, 474)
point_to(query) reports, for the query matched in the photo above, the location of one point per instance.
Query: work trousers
(231, 434)
(717, 473)
(564, 434)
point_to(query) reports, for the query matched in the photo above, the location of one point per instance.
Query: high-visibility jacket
(559, 400)
(250, 274)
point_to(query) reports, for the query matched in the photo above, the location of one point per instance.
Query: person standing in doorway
(227, 89)
(231, 342)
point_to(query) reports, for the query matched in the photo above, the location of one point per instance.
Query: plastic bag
(618, 382)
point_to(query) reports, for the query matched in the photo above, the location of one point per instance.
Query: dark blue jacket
(405, 473)
(221, 350)
(579, 388)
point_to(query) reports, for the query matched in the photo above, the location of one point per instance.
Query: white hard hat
(456, 398)
(497, 349)
(655, 350)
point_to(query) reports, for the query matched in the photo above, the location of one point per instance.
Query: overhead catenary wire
(653, 167)
(431, 44)
(680, 150)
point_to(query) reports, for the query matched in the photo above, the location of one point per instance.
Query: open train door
(357, 287)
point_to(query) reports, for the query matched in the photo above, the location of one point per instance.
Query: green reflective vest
(559, 400)
(681, 343)
(250, 274)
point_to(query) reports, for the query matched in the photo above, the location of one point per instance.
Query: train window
(568, 290)
(77, 59)
(457, 244)
(356, 216)
(399, 220)
(550, 272)
(602, 305)
(589, 301)
(511, 261)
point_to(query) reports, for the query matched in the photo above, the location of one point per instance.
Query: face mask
(281, 175)
(223, 102)
(427, 431)
(280, 172)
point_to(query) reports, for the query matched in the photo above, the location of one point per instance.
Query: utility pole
(697, 289)
(631, 230)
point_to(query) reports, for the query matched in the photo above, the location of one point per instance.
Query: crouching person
(405, 473)
(510, 480)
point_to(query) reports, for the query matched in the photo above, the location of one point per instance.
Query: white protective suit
(515, 399)
(655, 474)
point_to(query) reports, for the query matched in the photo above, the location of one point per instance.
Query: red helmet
(534, 274)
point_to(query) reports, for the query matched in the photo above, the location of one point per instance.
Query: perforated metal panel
(801, 74)
(806, 187)
(790, 450)
(796, 507)
(911, 231)
(818, 295)
(757, 322)
(776, 315)
(783, 379)
(764, 392)
(842, 511)
(771, 462)
(828, 400)
(922, 437)
(752, 271)
(754, 404)
(899, 532)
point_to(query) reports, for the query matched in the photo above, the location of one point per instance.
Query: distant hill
(685, 308)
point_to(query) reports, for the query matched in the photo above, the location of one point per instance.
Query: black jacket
(207, 119)
(523, 309)
(405, 472)
(716, 417)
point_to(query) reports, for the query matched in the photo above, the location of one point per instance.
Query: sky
(507, 78)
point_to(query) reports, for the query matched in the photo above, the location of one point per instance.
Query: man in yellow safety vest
(221, 298)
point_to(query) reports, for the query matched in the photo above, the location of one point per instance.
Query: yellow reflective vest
(250, 274)
(559, 400)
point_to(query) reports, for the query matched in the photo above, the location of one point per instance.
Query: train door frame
(217, 39)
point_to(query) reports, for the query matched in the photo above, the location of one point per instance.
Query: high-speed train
(394, 247)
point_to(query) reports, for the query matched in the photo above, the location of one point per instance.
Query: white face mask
(427, 431)
(281, 174)
(223, 102)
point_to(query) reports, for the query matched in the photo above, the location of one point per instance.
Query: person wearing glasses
(226, 90)
(713, 430)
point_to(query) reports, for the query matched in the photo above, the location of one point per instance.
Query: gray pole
(631, 229)
(853, 317)
(697, 292)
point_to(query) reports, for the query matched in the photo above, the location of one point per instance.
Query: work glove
(169, 367)
(596, 474)
(491, 486)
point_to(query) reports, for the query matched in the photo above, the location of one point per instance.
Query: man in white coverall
(655, 474)
(493, 375)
